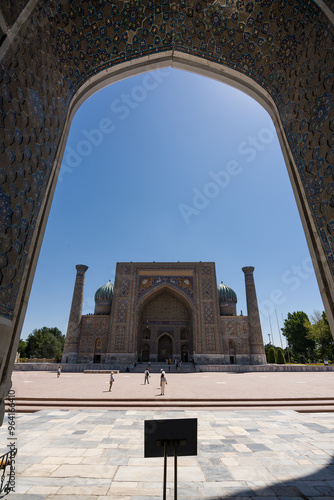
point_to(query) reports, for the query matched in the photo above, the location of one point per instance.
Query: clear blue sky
(171, 166)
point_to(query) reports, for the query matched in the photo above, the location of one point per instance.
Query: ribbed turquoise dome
(226, 294)
(105, 293)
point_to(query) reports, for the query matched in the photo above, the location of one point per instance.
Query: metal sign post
(170, 438)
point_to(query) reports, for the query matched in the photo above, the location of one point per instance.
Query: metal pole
(175, 471)
(279, 330)
(165, 470)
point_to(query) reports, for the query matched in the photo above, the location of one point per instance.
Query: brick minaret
(257, 352)
(73, 329)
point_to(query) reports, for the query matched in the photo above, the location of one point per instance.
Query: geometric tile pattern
(121, 312)
(206, 288)
(179, 283)
(284, 46)
(255, 335)
(92, 329)
(124, 288)
(237, 330)
(119, 340)
(210, 339)
(208, 313)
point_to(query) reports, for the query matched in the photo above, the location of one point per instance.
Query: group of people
(163, 379)
(176, 362)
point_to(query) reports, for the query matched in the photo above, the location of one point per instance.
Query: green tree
(271, 355)
(45, 343)
(280, 356)
(22, 348)
(318, 330)
(296, 334)
(266, 349)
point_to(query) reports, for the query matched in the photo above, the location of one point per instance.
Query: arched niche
(166, 313)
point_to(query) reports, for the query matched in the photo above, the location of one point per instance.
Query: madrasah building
(156, 311)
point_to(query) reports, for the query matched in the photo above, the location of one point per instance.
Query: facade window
(98, 345)
(231, 348)
(146, 334)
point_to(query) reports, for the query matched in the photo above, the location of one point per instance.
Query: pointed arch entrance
(97, 351)
(281, 54)
(168, 316)
(165, 347)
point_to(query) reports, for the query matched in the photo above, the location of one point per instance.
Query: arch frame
(172, 344)
(318, 227)
(209, 69)
(150, 296)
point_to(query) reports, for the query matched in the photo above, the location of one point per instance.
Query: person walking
(58, 372)
(111, 380)
(147, 375)
(163, 382)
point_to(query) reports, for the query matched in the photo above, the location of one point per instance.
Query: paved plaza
(99, 453)
(205, 385)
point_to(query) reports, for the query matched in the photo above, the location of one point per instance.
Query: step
(29, 405)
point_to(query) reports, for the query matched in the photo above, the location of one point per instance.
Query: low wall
(264, 368)
(67, 367)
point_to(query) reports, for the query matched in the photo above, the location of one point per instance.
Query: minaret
(257, 352)
(70, 352)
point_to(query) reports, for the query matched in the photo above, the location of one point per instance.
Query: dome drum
(227, 300)
(103, 299)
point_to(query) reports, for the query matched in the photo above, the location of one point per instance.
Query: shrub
(280, 357)
(271, 355)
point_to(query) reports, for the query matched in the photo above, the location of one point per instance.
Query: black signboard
(181, 433)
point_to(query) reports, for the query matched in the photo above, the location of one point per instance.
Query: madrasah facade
(156, 311)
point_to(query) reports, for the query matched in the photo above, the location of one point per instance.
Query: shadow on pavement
(319, 485)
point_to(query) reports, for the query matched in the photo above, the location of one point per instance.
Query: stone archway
(165, 347)
(231, 352)
(167, 316)
(145, 353)
(97, 351)
(55, 53)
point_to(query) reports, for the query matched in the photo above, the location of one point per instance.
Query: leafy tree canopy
(318, 330)
(45, 343)
(296, 333)
(22, 349)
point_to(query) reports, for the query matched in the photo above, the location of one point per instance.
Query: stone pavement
(190, 385)
(98, 455)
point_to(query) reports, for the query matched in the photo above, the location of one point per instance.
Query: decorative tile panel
(124, 288)
(206, 270)
(207, 288)
(120, 337)
(210, 342)
(121, 312)
(180, 283)
(208, 314)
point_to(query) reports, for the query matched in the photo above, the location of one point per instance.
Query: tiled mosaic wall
(285, 46)
(92, 328)
(11, 10)
(166, 307)
(236, 329)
